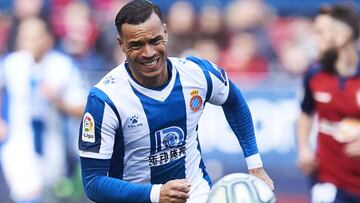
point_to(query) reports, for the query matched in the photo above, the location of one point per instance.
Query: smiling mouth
(150, 63)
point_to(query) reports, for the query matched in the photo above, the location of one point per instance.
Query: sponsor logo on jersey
(170, 145)
(134, 122)
(322, 97)
(88, 128)
(165, 157)
(170, 137)
(195, 101)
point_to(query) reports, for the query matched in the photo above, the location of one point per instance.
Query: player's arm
(238, 115)
(306, 156)
(222, 92)
(101, 188)
(98, 131)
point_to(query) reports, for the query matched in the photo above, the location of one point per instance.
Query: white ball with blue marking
(241, 188)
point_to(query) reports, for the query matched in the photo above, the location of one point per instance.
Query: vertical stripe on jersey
(206, 68)
(161, 115)
(202, 165)
(117, 160)
(96, 105)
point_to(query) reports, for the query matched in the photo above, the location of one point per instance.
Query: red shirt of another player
(335, 100)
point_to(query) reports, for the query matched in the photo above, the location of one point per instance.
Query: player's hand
(306, 160)
(260, 173)
(175, 191)
(352, 149)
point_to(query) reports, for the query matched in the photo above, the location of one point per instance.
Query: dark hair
(345, 14)
(136, 12)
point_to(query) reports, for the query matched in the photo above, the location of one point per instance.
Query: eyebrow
(158, 37)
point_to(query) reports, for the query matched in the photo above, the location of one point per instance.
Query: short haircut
(345, 14)
(135, 13)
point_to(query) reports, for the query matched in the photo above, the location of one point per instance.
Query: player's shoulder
(313, 70)
(192, 63)
(113, 80)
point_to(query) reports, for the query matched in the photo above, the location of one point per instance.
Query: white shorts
(200, 193)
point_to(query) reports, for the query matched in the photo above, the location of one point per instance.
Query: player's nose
(148, 51)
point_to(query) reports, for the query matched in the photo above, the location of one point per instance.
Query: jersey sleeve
(217, 81)
(220, 80)
(307, 104)
(238, 115)
(99, 126)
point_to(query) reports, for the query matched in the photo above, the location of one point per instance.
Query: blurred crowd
(246, 37)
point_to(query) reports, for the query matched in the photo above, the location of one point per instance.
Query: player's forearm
(303, 130)
(101, 188)
(239, 118)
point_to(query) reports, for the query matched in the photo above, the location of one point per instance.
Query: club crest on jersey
(195, 101)
(88, 128)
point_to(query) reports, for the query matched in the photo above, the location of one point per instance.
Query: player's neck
(348, 60)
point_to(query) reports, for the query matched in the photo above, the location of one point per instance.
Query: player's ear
(165, 32)
(121, 43)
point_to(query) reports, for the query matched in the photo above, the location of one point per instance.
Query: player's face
(145, 49)
(330, 33)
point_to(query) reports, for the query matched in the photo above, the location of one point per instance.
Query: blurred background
(264, 46)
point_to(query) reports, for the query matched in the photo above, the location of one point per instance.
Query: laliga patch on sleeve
(88, 128)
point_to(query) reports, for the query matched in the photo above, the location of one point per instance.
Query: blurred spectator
(180, 24)
(23, 9)
(246, 15)
(211, 24)
(105, 13)
(254, 17)
(5, 25)
(42, 86)
(79, 39)
(242, 58)
(296, 49)
(207, 49)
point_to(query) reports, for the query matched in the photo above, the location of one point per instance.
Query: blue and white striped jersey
(150, 136)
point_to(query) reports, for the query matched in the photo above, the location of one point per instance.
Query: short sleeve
(307, 103)
(99, 126)
(220, 87)
(217, 81)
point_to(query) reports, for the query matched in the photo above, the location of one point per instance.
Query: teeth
(150, 63)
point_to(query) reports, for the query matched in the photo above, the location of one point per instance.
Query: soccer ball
(241, 188)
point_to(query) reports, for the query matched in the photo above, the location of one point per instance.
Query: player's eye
(134, 47)
(156, 41)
